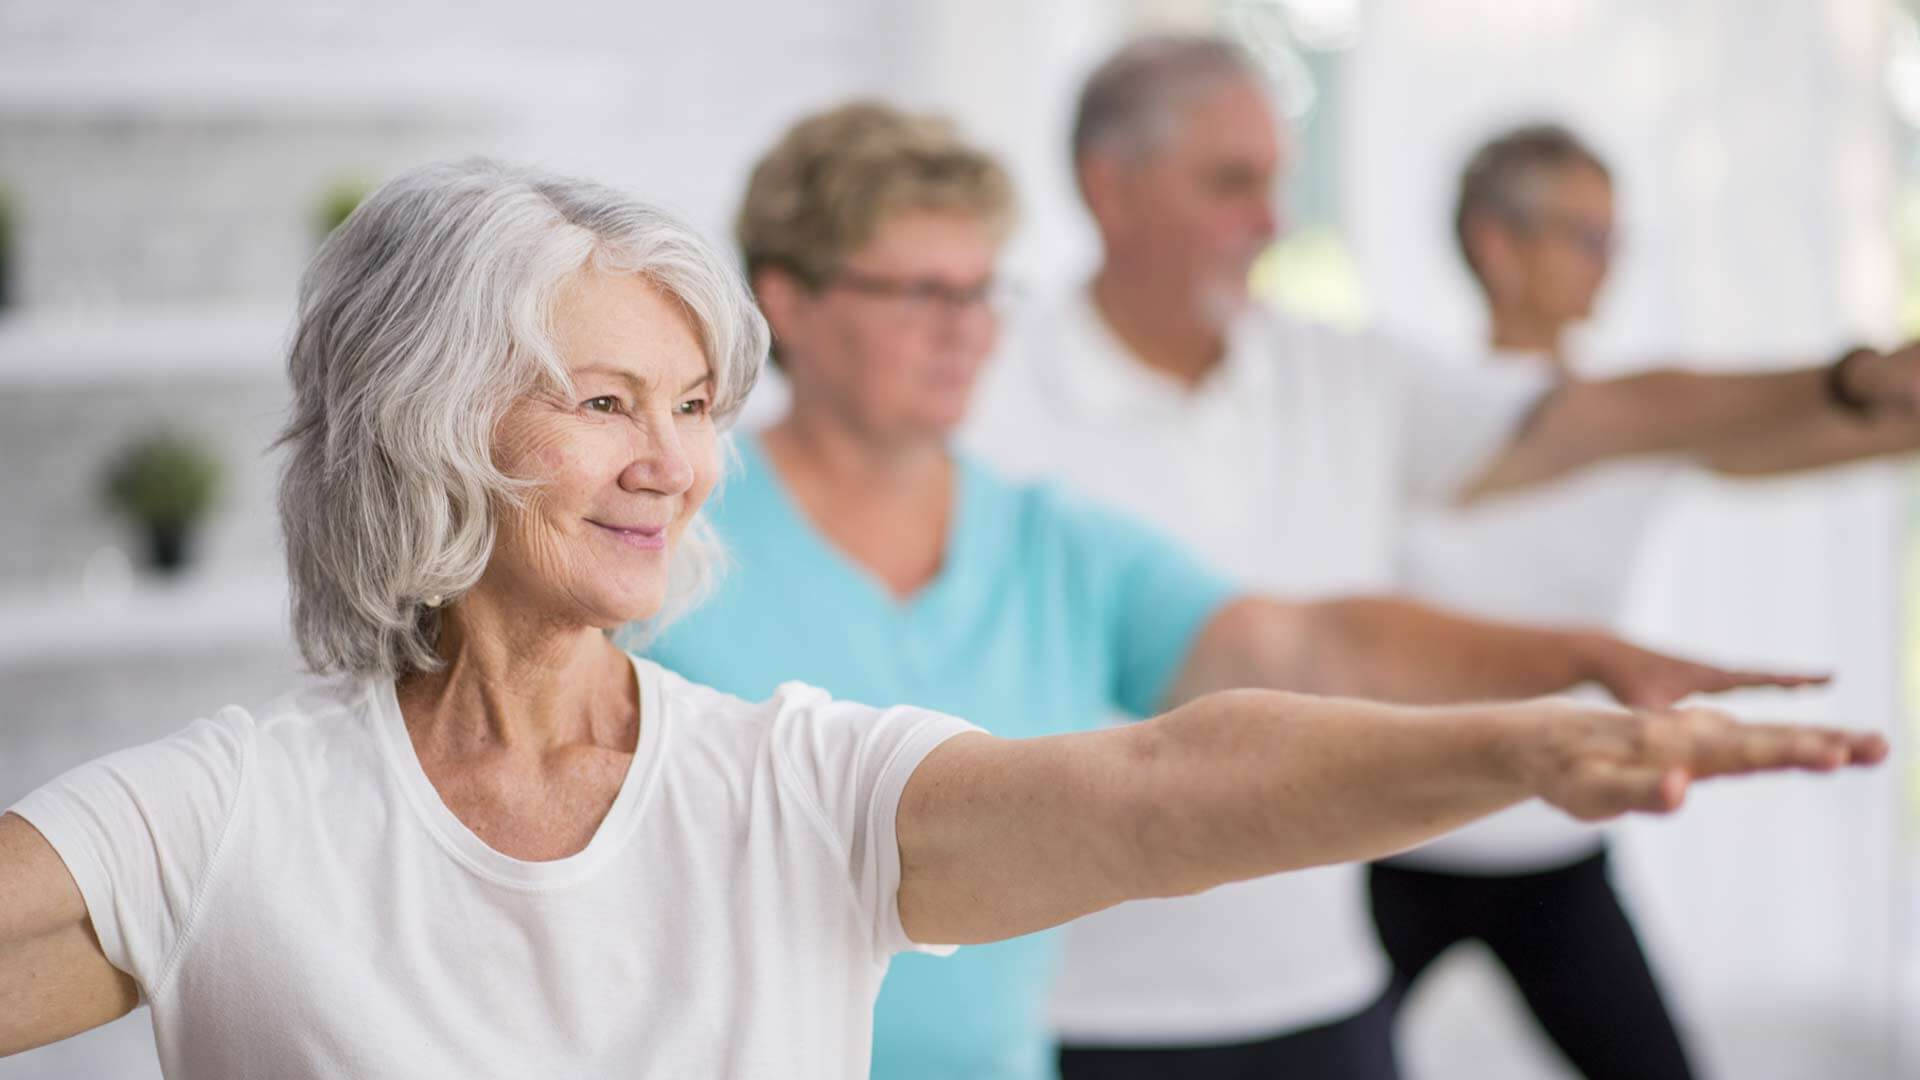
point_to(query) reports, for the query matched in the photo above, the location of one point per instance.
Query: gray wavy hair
(1131, 103)
(421, 319)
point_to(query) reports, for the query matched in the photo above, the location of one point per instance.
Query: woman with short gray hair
(495, 844)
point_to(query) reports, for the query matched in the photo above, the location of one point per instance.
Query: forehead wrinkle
(632, 378)
(641, 383)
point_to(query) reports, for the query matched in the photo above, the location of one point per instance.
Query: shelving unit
(80, 346)
(147, 617)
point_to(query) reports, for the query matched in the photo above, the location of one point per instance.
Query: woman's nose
(659, 461)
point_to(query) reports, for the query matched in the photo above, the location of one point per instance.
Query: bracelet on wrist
(1843, 396)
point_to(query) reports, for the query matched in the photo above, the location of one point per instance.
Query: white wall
(1753, 155)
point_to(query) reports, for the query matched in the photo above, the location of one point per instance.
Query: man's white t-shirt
(1560, 555)
(1291, 468)
(294, 899)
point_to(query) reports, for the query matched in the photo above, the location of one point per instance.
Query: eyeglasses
(926, 297)
(1597, 242)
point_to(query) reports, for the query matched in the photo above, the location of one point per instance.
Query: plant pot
(168, 546)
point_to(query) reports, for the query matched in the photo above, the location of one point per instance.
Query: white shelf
(145, 617)
(78, 346)
(156, 79)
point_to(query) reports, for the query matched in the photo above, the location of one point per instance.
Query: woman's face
(622, 463)
(895, 341)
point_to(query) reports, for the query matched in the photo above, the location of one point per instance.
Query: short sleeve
(140, 832)
(1151, 596)
(1456, 416)
(852, 762)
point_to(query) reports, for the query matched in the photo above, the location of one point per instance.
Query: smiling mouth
(644, 537)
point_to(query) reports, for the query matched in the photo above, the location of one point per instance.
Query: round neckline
(476, 854)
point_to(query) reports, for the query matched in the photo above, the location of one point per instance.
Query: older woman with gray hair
(495, 844)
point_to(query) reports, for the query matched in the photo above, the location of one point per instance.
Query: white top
(294, 899)
(1291, 468)
(1561, 555)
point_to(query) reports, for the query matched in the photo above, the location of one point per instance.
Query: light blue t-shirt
(1048, 616)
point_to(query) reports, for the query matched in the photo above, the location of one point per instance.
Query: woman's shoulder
(704, 714)
(801, 730)
(281, 737)
(707, 710)
(318, 708)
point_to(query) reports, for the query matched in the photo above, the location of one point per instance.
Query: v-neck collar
(956, 558)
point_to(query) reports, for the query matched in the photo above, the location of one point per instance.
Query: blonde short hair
(825, 187)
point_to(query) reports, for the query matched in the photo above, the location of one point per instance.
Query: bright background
(164, 168)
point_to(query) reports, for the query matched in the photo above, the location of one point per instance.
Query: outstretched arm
(1390, 649)
(1003, 837)
(1743, 424)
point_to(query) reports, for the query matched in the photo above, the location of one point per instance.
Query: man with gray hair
(1290, 456)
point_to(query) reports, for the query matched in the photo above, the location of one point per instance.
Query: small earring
(436, 600)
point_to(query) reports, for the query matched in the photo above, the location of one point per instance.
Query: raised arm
(54, 980)
(1389, 649)
(1004, 837)
(1746, 423)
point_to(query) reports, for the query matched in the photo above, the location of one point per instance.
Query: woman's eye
(604, 404)
(695, 407)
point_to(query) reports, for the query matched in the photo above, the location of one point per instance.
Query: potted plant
(166, 483)
(336, 204)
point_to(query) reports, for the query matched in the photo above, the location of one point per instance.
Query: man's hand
(1887, 383)
(1642, 679)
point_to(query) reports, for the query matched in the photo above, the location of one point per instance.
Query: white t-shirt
(1291, 468)
(295, 900)
(1560, 555)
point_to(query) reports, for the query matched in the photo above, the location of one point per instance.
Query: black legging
(1565, 940)
(1357, 1047)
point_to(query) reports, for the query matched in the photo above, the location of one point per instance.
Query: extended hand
(1643, 679)
(1600, 763)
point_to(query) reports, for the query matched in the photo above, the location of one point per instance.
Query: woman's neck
(815, 450)
(884, 505)
(515, 682)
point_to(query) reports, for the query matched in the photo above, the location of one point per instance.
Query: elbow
(1148, 854)
(1170, 807)
(1263, 642)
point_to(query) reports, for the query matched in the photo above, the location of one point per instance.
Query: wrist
(1519, 744)
(1592, 656)
(1847, 390)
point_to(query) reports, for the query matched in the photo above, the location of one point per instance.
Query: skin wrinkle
(540, 788)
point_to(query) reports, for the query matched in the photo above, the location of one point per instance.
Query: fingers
(1673, 750)
(1731, 749)
(1662, 685)
(1736, 679)
(1602, 764)
(1866, 749)
(1605, 790)
(1701, 679)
